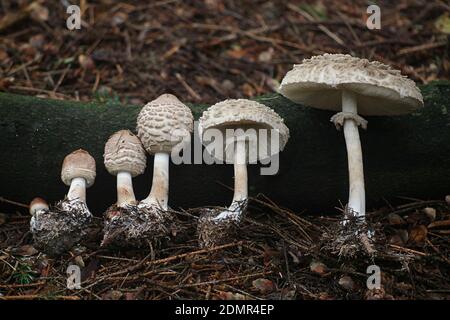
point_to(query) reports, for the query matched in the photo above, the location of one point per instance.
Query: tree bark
(403, 156)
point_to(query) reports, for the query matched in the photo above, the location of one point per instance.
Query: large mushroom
(251, 132)
(353, 87)
(125, 158)
(163, 125)
(62, 226)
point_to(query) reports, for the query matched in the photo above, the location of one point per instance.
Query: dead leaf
(395, 219)
(79, 261)
(347, 283)
(418, 234)
(86, 62)
(37, 41)
(266, 56)
(226, 295)
(375, 294)
(263, 285)
(119, 18)
(3, 217)
(248, 90)
(318, 267)
(3, 55)
(112, 295)
(38, 12)
(25, 250)
(442, 24)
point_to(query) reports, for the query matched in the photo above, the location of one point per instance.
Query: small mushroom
(163, 125)
(245, 118)
(58, 228)
(351, 86)
(38, 204)
(125, 158)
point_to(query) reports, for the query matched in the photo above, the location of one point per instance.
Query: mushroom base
(61, 227)
(136, 226)
(213, 232)
(350, 239)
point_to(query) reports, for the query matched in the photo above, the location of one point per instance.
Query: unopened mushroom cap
(164, 123)
(380, 90)
(37, 204)
(251, 117)
(78, 164)
(124, 152)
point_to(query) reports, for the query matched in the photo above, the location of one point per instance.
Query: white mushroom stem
(125, 192)
(357, 198)
(77, 189)
(159, 194)
(240, 172)
(238, 205)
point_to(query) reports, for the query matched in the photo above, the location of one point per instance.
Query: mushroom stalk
(356, 200)
(240, 184)
(240, 172)
(159, 193)
(77, 189)
(125, 192)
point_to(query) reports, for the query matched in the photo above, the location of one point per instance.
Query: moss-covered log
(405, 155)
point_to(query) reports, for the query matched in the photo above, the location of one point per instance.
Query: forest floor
(205, 51)
(279, 254)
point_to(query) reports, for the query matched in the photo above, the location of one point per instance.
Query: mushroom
(163, 125)
(353, 87)
(38, 204)
(253, 124)
(58, 228)
(125, 158)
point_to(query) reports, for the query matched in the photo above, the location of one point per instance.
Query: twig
(212, 282)
(14, 203)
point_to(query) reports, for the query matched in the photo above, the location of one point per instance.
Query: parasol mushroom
(125, 158)
(62, 226)
(254, 127)
(353, 87)
(163, 125)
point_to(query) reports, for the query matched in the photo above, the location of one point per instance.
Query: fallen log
(403, 155)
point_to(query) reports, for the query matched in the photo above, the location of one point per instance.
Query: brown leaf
(112, 295)
(318, 267)
(266, 56)
(347, 283)
(418, 234)
(3, 55)
(395, 219)
(3, 217)
(38, 12)
(226, 295)
(37, 41)
(263, 285)
(86, 62)
(25, 250)
(248, 90)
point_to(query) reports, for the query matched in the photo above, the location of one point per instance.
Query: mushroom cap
(164, 123)
(245, 114)
(78, 164)
(380, 90)
(37, 204)
(124, 152)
